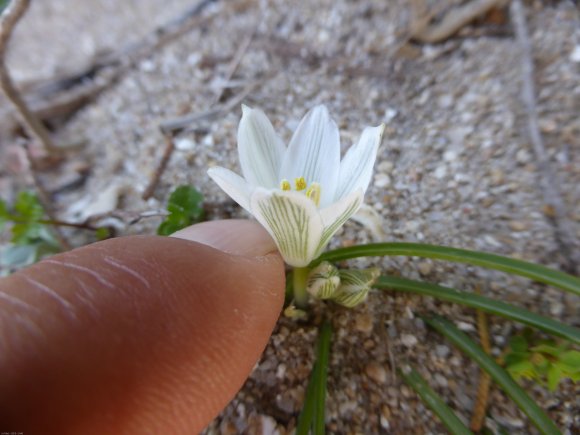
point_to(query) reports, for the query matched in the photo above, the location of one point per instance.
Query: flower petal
(334, 216)
(314, 153)
(261, 150)
(234, 185)
(356, 168)
(292, 220)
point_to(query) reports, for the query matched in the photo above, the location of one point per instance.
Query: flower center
(300, 185)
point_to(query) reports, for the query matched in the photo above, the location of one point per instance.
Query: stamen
(285, 185)
(313, 193)
(300, 183)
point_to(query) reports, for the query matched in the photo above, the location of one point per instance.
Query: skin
(137, 334)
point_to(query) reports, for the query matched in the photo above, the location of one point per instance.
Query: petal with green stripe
(335, 215)
(292, 220)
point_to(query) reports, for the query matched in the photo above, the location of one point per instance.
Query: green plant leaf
(482, 303)
(28, 207)
(499, 375)
(3, 214)
(554, 376)
(491, 261)
(519, 343)
(434, 402)
(548, 349)
(185, 208)
(312, 415)
(572, 358)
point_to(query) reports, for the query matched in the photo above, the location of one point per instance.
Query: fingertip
(163, 331)
(234, 236)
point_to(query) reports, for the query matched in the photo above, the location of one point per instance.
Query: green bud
(323, 281)
(355, 286)
(294, 313)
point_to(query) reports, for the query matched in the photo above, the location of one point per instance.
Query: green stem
(533, 271)
(300, 276)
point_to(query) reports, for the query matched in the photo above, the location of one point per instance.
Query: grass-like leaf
(434, 402)
(313, 409)
(482, 303)
(498, 374)
(533, 271)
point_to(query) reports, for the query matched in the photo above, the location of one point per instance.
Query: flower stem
(300, 277)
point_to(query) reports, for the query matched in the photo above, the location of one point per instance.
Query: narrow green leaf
(482, 303)
(499, 375)
(533, 271)
(312, 415)
(434, 402)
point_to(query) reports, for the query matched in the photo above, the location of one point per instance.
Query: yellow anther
(313, 193)
(285, 185)
(300, 183)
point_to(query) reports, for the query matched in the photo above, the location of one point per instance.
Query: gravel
(455, 168)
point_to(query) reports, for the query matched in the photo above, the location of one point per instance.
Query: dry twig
(452, 22)
(44, 197)
(169, 147)
(66, 94)
(480, 405)
(549, 179)
(172, 126)
(8, 20)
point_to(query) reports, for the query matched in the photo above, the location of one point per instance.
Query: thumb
(137, 334)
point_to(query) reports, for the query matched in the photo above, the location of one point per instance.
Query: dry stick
(44, 198)
(480, 405)
(235, 62)
(174, 125)
(549, 179)
(169, 147)
(454, 20)
(49, 104)
(169, 128)
(8, 20)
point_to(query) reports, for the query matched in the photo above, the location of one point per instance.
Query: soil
(456, 168)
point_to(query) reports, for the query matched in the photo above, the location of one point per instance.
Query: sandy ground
(456, 168)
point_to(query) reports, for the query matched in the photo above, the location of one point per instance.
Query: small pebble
(376, 372)
(442, 351)
(364, 323)
(518, 225)
(409, 340)
(425, 268)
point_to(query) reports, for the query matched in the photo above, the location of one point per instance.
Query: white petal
(334, 216)
(234, 185)
(292, 220)
(314, 153)
(356, 168)
(261, 150)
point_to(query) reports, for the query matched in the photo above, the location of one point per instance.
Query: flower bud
(323, 281)
(355, 286)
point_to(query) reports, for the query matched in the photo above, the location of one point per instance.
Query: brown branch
(8, 20)
(169, 147)
(233, 66)
(66, 94)
(452, 22)
(44, 197)
(181, 123)
(480, 405)
(549, 179)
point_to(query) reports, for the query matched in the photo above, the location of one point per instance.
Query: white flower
(304, 193)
